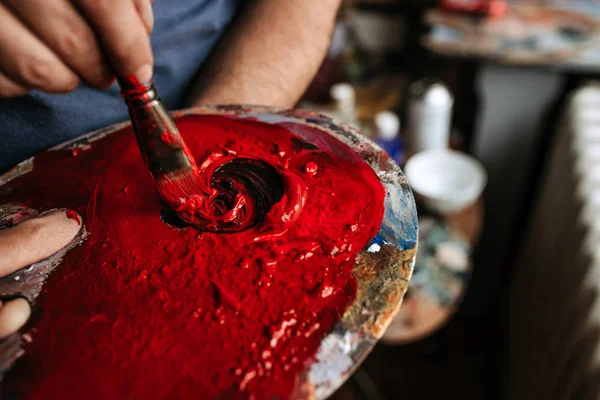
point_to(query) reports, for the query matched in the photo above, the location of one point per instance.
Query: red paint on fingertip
(74, 216)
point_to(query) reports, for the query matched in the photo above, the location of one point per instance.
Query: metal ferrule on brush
(162, 147)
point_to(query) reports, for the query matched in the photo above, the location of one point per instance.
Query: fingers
(49, 45)
(13, 315)
(35, 240)
(28, 62)
(123, 34)
(62, 28)
(24, 244)
(8, 88)
(144, 9)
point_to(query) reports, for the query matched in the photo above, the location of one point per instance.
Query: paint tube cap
(388, 125)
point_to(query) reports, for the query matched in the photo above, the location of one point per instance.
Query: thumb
(36, 239)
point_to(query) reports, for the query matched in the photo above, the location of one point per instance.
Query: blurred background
(493, 111)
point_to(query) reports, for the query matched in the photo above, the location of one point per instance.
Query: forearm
(270, 56)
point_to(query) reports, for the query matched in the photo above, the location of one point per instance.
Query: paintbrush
(169, 161)
(220, 204)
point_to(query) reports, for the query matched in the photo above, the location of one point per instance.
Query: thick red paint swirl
(145, 310)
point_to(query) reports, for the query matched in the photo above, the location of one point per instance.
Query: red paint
(311, 168)
(199, 200)
(73, 215)
(143, 310)
(491, 8)
(168, 138)
(130, 82)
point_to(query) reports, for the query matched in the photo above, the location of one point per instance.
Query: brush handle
(162, 147)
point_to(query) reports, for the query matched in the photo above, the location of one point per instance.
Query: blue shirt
(185, 32)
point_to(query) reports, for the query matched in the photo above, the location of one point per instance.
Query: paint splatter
(74, 216)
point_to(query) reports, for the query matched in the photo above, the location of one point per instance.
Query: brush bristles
(177, 187)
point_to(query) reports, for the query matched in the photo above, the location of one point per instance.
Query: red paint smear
(73, 215)
(142, 310)
(167, 138)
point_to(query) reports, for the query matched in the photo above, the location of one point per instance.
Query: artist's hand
(52, 45)
(24, 244)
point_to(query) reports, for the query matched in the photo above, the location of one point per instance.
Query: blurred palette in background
(528, 33)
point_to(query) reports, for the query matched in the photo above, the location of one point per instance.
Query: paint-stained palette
(382, 268)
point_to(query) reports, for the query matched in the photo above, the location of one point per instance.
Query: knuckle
(71, 46)
(81, 51)
(45, 74)
(36, 70)
(76, 40)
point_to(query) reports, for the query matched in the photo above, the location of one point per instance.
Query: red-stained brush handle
(162, 147)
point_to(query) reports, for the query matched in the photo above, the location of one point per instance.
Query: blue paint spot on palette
(399, 226)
